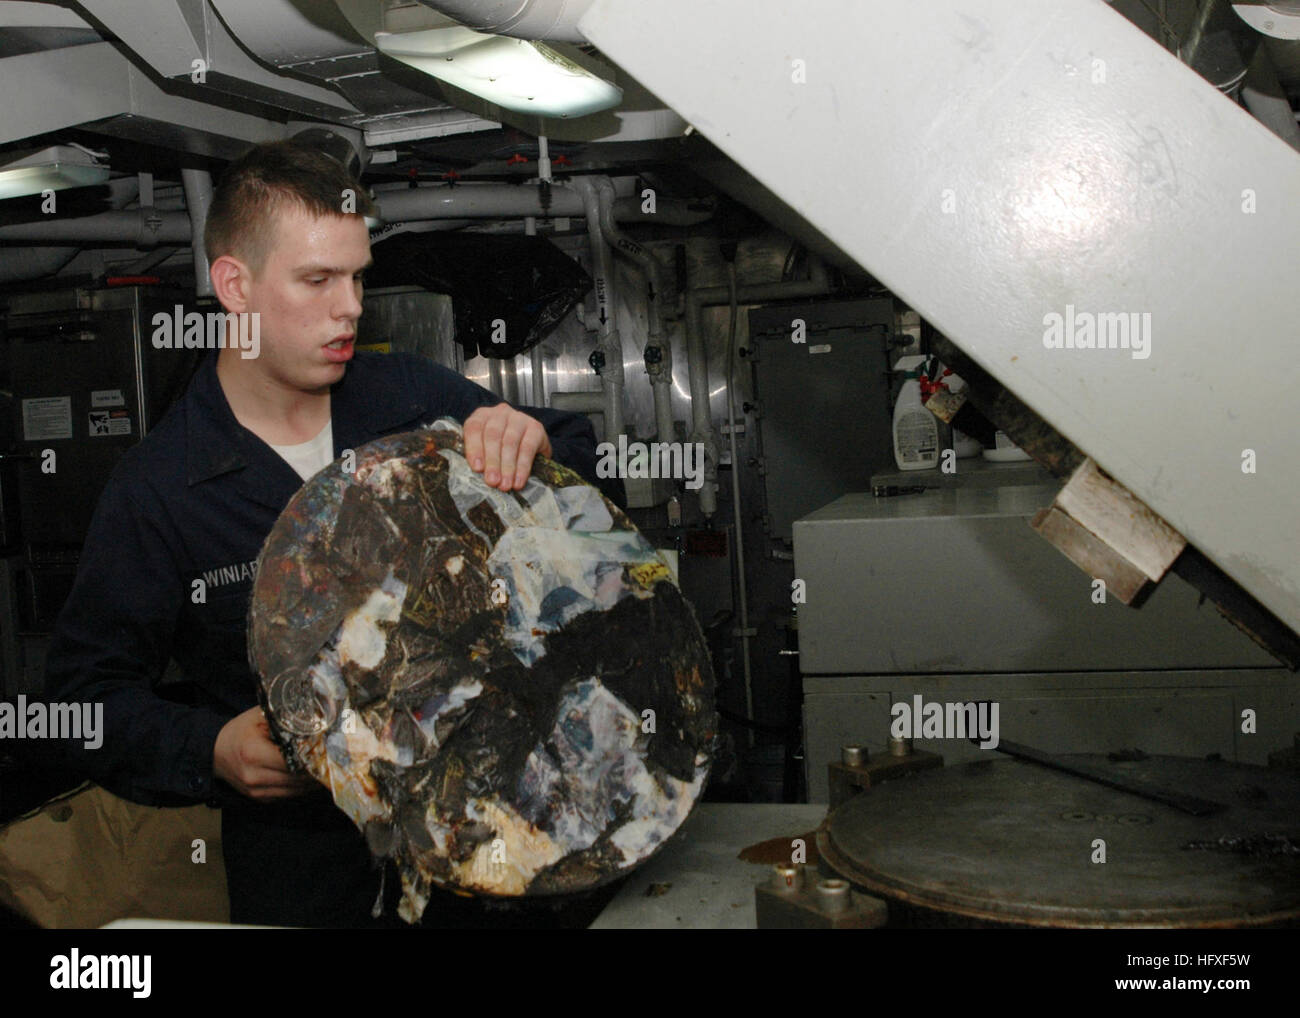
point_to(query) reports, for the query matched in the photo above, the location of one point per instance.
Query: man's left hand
(500, 443)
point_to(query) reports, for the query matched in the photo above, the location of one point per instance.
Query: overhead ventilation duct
(521, 19)
(514, 74)
(511, 72)
(336, 146)
(33, 27)
(188, 43)
(332, 45)
(95, 88)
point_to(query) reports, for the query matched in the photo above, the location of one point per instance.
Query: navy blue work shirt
(195, 500)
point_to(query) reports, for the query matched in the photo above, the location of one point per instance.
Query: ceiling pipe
(143, 228)
(697, 375)
(472, 201)
(198, 198)
(611, 375)
(658, 349)
(20, 264)
(521, 19)
(511, 201)
(584, 402)
(537, 363)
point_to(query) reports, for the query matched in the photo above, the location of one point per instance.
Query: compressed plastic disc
(505, 691)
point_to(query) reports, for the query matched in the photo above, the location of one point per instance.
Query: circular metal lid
(1007, 841)
(505, 691)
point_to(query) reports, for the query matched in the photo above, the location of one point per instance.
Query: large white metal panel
(995, 162)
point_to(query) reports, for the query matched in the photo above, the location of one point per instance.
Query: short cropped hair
(256, 186)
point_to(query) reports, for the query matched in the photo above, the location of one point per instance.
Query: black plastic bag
(507, 292)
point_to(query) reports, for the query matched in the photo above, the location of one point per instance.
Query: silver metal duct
(189, 43)
(521, 19)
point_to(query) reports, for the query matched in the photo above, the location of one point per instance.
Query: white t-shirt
(308, 458)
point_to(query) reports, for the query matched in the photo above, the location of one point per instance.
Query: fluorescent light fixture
(515, 74)
(49, 169)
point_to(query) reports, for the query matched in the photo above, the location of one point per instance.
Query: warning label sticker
(109, 422)
(107, 397)
(48, 417)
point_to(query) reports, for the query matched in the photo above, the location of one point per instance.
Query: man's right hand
(246, 759)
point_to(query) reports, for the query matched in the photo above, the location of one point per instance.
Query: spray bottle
(916, 430)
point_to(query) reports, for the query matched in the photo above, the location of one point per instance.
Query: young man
(195, 500)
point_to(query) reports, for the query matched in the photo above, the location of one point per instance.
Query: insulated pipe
(601, 264)
(521, 19)
(539, 375)
(668, 211)
(142, 228)
(509, 381)
(659, 353)
(18, 264)
(497, 201)
(586, 402)
(543, 158)
(661, 384)
(742, 575)
(697, 367)
(419, 226)
(537, 362)
(473, 201)
(198, 197)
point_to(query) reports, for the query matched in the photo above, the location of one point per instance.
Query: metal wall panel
(824, 410)
(956, 580)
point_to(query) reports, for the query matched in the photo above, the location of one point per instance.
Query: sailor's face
(309, 297)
